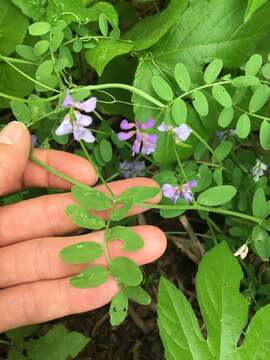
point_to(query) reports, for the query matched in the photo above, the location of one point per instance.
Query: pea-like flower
(132, 169)
(180, 133)
(76, 122)
(242, 251)
(258, 170)
(179, 191)
(144, 142)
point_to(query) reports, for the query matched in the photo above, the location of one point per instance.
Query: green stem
(251, 114)
(86, 153)
(105, 243)
(18, 61)
(202, 208)
(179, 162)
(58, 173)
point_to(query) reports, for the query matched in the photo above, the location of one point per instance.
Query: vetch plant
(182, 97)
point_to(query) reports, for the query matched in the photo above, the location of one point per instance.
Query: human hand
(34, 281)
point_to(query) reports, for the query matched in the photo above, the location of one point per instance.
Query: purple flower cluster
(78, 125)
(132, 169)
(182, 191)
(144, 143)
(180, 133)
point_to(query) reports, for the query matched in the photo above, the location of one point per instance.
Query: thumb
(14, 152)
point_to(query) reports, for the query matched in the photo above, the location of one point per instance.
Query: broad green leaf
(131, 240)
(217, 285)
(179, 111)
(39, 28)
(90, 277)
(253, 6)
(261, 242)
(21, 111)
(182, 77)
(222, 96)
(265, 135)
(103, 24)
(259, 204)
(149, 30)
(81, 253)
(105, 51)
(92, 200)
(228, 40)
(200, 103)
(244, 81)
(34, 9)
(137, 294)
(178, 326)
(243, 126)
(119, 213)
(226, 117)
(71, 344)
(11, 35)
(162, 88)
(222, 151)
(118, 308)
(126, 271)
(223, 308)
(139, 194)
(217, 195)
(259, 98)
(105, 149)
(212, 71)
(253, 65)
(13, 83)
(82, 218)
(256, 343)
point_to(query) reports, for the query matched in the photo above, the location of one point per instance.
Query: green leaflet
(265, 135)
(217, 195)
(223, 308)
(118, 308)
(81, 253)
(253, 65)
(82, 218)
(261, 242)
(259, 98)
(212, 71)
(126, 271)
(139, 194)
(259, 204)
(182, 77)
(92, 199)
(131, 240)
(90, 277)
(137, 294)
(149, 30)
(243, 126)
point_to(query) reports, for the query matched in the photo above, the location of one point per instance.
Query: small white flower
(258, 170)
(242, 251)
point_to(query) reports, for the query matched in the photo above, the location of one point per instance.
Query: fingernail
(12, 133)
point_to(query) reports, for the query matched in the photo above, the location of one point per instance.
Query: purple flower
(34, 141)
(182, 191)
(77, 126)
(146, 143)
(181, 133)
(132, 169)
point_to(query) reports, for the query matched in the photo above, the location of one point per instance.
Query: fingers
(45, 216)
(45, 300)
(39, 259)
(14, 152)
(69, 164)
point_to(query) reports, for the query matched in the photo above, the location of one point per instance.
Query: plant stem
(202, 208)
(179, 162)
(58, 173)
(105, 242)
(86, 153)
